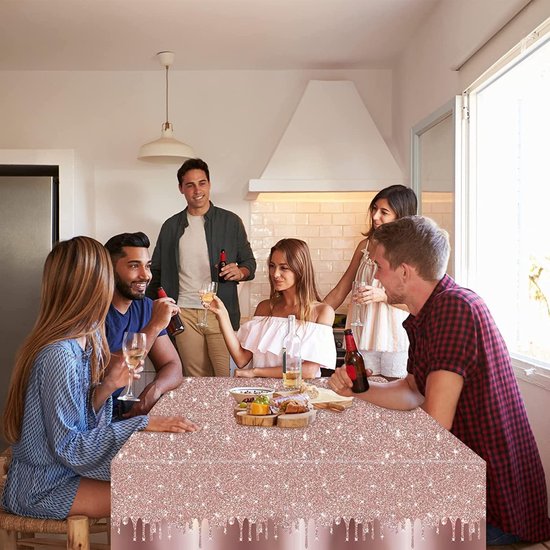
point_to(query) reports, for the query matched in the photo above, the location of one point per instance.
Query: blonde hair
(298, 258)
(77, 288)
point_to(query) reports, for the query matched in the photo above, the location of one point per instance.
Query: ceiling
(206, 34)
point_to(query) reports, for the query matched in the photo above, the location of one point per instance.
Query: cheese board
(245, 419)
(299, 420)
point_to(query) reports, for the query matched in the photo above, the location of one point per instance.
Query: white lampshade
(166, 148)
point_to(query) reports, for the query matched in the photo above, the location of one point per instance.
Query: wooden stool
(17, 532)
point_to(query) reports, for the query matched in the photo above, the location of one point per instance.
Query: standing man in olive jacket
(187, 252)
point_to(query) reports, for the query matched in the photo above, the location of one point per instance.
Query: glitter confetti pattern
(364, 464)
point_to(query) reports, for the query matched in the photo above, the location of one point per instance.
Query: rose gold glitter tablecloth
(363, 467)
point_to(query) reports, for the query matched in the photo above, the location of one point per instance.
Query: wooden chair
(18, 532)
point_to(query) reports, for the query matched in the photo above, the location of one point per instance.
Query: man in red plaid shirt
(459, 372)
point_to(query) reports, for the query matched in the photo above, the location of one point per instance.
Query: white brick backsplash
(332, 207)
(318, 242)
(257, 219)
(308, 207)
(278, 218)
(322, 267)
(345, 243)
(356, 207)
(284, 207)
(332, 230)
(257, 206)
(332, 254)
(353, 230)
(342, 219)
(285, 231)
(304, 231)
(261, 230)
(319, 219)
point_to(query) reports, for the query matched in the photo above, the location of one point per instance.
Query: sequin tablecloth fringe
(356, 528)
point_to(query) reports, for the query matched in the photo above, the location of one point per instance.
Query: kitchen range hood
(330, 144)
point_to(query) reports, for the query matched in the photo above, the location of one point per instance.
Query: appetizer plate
(240, 394)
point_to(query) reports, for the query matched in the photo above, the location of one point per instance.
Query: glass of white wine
(134, 350)
(207, 292)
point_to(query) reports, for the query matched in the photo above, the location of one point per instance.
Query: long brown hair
(298, 258)
(77, 288)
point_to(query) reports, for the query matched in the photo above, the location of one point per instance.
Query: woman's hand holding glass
(367, 294)
(134, 350)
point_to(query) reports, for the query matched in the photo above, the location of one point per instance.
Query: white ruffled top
(264, 337)
(382, 328)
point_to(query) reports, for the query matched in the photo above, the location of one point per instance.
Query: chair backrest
(5, 459)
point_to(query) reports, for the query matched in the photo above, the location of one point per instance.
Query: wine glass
(207, 292)
(134, 350)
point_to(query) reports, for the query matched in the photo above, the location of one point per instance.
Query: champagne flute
(357, 287)
(207, 292)
(134, 350)
(364, 277)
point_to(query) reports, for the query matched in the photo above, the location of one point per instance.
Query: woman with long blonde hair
(56, 416)
(293, 292)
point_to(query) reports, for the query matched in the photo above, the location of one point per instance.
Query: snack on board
(291, 404)
(260, 406)
(310, 389)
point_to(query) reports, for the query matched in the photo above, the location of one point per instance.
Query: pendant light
(167, 148)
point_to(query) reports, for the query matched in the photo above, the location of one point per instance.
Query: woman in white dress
(377, 326)
(258, 343)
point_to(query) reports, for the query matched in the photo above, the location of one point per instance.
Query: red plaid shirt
(455, 331)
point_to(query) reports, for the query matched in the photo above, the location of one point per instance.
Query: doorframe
(456, 109)
(65, 159)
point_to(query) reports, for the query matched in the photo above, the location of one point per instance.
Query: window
(509, 200)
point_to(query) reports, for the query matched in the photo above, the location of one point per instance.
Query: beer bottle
(355, 365)
(222, 263)
(175, 326)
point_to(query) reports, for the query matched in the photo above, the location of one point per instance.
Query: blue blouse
(62, 438)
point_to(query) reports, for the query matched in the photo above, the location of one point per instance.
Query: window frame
(527, 369)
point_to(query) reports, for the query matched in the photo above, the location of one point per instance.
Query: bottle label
(350, 369)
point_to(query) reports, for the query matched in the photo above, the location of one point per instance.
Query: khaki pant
(202, 350)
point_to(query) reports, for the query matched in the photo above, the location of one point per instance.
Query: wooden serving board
(327, 397)
(299, 420)
(246, 419)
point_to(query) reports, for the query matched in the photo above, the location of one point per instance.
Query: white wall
(233, 119)
(425, 77)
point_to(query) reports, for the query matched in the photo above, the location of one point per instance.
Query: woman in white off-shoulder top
(259, 342)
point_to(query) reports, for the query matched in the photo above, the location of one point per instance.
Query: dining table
(361, 477)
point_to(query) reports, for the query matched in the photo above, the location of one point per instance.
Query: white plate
(245, 392)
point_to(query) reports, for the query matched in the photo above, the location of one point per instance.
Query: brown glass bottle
(355, 365)
(175, 326)
(222, 263)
